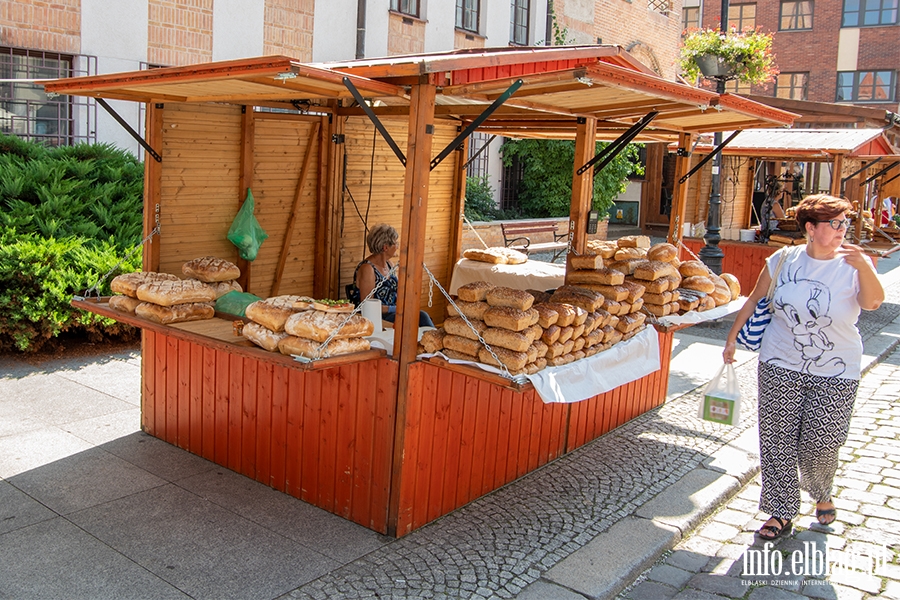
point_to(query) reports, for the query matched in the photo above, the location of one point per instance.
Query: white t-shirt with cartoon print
(813, 328)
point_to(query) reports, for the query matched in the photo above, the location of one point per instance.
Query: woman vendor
(809, 360)
(376, 270)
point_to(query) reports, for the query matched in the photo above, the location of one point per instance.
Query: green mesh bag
(246, 233)
(235, 303)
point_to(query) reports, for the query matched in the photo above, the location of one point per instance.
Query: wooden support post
(298, 193)
(651, 191)
(152, 185)
(327, 265)
(680, 191)
(582, 185)
(836, 170)
(457, 209)
(412, 249)
(245, 182)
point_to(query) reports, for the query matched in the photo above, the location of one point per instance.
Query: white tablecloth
(530, 275)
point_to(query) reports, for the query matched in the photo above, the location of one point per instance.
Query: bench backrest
(532, 227)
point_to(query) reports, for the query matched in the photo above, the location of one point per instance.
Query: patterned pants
(803, 422)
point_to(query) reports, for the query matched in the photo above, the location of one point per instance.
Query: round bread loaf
(211, 269)
(703, 284)
(693, 268)
(664, 252)
(733, 284)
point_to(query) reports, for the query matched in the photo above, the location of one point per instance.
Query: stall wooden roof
(559, 85)
(808, 144)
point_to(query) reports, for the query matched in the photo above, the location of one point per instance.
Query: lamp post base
(711, 255)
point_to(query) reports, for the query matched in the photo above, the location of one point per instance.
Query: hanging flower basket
(745, 56)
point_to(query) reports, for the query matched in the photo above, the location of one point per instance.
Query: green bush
(480, 200)
(67, 216)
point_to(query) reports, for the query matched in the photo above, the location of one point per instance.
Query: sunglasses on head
(837, 223)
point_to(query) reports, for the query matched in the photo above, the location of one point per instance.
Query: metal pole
(711, 254)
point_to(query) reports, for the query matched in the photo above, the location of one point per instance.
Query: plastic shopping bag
(246, 233)
(721, 401)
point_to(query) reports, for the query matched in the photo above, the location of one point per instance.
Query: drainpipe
(360, 28)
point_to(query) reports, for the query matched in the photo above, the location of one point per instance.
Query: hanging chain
(472, 227)
(504, 370)
(96, 287)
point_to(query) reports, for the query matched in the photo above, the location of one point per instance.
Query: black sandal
(773, 532)
(826, 512)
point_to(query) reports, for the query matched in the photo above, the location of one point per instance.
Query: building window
(661, 6)
(690, 17)
(737, 87)
(27, 112)
(796, 15)
(467, 15)
(792, 85)
(407, 7)
(742, 16)
(518, 22)
(866, 86)
(478, 155)
(867, 13)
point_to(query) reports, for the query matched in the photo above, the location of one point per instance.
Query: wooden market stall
(848, 161)
(381, 437)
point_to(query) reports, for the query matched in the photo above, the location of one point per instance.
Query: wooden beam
(412, 249)
(328, 267)
(680, 190)
(582, 185)
(457, 208)
(651, 191)
(152, 185)
(837, 167)
(298, 193)
(245, 183)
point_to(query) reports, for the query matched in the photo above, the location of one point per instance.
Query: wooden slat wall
(199, 182)
(279, 148)
(743, 260)
(466, 437)
(387, 199)
(736, 194)
(321, 436)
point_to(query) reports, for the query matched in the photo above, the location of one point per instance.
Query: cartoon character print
(805, 304)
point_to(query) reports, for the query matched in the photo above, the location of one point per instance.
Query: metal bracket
(708, 157)
(605, 156)
(476, 123)
(683, 152)
(129, 129)
(890, 180)
(480, 150)
(859, 170)
(337, 138)
(375, 121)
(879, 173)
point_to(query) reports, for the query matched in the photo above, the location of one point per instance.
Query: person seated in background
(383, 243)
(887, 211)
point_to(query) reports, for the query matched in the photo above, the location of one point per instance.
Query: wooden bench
(515, 236)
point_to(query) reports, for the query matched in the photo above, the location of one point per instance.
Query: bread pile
(702, 289)
(162, 298)
(294, 325)
(496, 256)
(219, 274)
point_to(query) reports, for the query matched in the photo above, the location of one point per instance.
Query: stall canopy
(554, 88)
(808, 144)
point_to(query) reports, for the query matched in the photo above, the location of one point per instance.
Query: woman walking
(809, 360)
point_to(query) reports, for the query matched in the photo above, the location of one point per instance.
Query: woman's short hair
(380, 236)
(820, 207)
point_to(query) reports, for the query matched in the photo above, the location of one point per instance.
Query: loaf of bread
(628, 253)
(488, 255)
(580, 296)
(457, 355)
(506, 317)
(456, 326)
(722, 294)
(653, 269)
(631, 322)
(538, 365)
(319, 326)
(533, 333)
(625, 266)
(272, 313)
(707, 303)
(504, 296)
(472, 310)
(616, 293)
(432, 340)
(577, 331)
(586, 261)
(634, 241)
(657, 310)
(124, 304)
(604, 276)
(733, 285)
(474, 292)
(555, 350)
(658, 299)
(565, 334)
(663, 252)
(546, 315)
(262, 337)
(539, 296)
(605, 248)
(210, 269)
(674, 280)
(577, 346)
(566, 313)
(177, 313)
(635, 290)
(687, 304)
(701, 283)
(512, 359)
(693, 268)
(223, 287)
(513, 257)
(128, 283)
(551, 334)
(504, 338)
(462, 344)
(293, 345)
(538, 348)
(170, 293)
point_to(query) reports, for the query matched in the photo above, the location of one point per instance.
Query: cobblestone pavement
(855, 558)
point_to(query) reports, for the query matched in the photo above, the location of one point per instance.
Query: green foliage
(546, 189)
(747, 53)
(67, 216)
(480, 200)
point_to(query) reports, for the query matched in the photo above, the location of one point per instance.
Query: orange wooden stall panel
(322, 436)
(742, 259)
